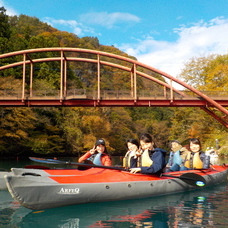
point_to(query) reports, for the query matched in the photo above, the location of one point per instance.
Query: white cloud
(108, 20)
(9, 11)
(76, 27)
(197, 40)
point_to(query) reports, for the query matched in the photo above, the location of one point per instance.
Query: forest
(69, 131)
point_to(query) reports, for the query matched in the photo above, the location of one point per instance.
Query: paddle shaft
(189, 178)
(96, 166)
(53, 161)
(180, 177)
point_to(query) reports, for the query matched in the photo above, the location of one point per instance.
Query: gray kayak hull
(2, 180)
(41, 192)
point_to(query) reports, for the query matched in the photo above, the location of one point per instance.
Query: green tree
(5, 31)
(4, 24)
(47, 136)
(122, 128)
(70, 121)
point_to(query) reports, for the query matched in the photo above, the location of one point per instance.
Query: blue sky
(164, 34)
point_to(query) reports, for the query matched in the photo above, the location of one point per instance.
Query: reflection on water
(200, 208)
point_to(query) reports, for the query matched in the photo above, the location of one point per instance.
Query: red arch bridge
(160, 91)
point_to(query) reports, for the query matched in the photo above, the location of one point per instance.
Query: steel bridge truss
(171, 97)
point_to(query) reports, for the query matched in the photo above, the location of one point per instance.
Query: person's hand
(135, 170)
(138, 153)
(92, 151)
(184, 150)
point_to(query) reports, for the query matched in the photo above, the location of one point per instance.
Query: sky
(164, 34)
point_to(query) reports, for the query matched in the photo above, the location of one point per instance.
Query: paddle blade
(47, 161)
(193, 179)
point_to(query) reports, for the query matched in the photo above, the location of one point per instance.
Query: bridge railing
(214, 94)
(105, 94)
(10, 94)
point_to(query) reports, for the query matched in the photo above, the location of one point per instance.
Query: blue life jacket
(177, 158)
(96, 159)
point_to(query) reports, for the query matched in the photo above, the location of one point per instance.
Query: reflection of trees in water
(201, 211)
(149, 218)
(7, 209)
(197, 212)
(5, 216)
(220, 206)
(194, 213)
(191, 213)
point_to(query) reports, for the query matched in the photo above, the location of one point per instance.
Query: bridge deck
(117, 102)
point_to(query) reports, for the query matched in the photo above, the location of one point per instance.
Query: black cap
(176, 141)
(100, 142)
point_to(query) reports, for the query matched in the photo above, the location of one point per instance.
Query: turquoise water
(200, 208)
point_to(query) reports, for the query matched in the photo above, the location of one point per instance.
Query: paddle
(189, 178)
(47, 161)
(36, 167)
(54, 161)
(193, 179)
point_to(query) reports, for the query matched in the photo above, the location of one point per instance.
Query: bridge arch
(171, 96)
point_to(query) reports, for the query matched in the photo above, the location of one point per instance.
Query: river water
(206, 207)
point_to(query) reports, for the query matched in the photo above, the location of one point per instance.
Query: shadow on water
(200, 208)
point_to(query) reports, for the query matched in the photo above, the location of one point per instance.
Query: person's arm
(106, 160)
(84, 157)
(157, 166)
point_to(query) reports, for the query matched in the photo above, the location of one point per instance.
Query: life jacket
(193, 161)
(127, 160)
(176, 158)
(96, 159)
(145, 159)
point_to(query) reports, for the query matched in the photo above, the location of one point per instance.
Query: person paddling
(152, 159)
(97, 155)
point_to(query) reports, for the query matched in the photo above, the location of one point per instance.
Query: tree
(16, 125)
(4, 24)
(4, 30)
(47, 136)
(208, 74)
(122, 128)
(70, 121)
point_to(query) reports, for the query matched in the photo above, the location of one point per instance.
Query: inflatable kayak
(3, 173)
(41, 189)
